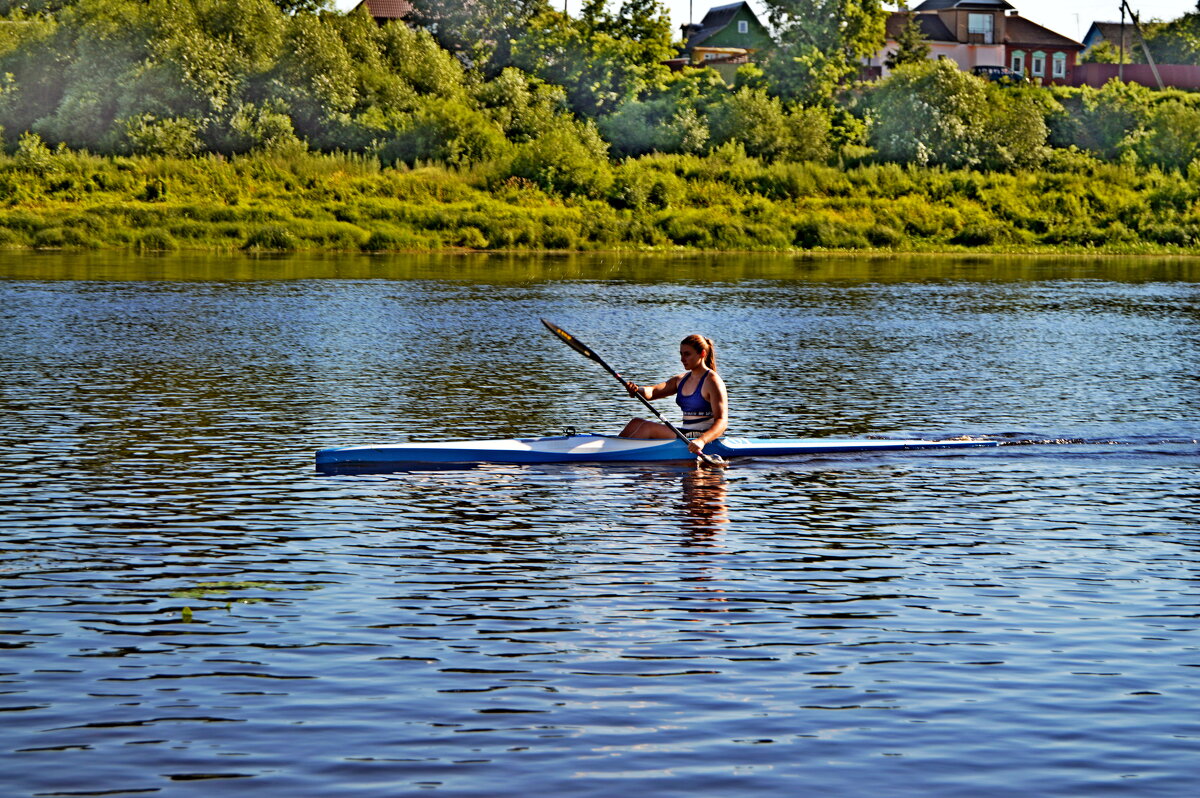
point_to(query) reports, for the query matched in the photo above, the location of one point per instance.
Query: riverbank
(307, 202)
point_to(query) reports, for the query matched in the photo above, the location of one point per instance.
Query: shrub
(386, 241)
(446, 132)
(471, 238)
(640, 127)
(155, 239)
(33, 155)
(751, 118)
(979, 234)
(963, 120)
(49, 238)
(176, 137)
(1111, 115)
(569, 160)
(1172, 136)
(272, 238)
(882, 235)
(263, 127)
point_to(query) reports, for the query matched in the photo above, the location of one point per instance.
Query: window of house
(1018, 62)
(1037, 64)
(743, 26)
(1058, 64)
(979, 28)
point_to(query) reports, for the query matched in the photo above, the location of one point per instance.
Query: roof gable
(932, 27)
(718, 19)
(1111, 32)
(386, 9)
(942, 5)
(1019, 30)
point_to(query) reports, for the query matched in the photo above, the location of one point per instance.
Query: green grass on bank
(726, 201)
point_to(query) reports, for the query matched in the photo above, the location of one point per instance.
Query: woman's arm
(714, 392)
(667, 388)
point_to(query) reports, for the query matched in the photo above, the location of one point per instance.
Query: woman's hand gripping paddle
(710, 460)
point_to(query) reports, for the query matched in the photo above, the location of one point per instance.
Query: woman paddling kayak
(699, 391)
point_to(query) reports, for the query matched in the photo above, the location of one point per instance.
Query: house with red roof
(385, 10)
(982, 34)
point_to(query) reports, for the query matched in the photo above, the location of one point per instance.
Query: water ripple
(187, 605)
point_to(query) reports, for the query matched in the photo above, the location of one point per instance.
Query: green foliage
(271, 238)
(965, 121)
(1112, 115)
(316, 77)
(480, 32)
(147, 135)
(820, 44)
(1171, 138)
(155, 239)
(602, 59)
(523, 106)
(657, 125)
(1175, 42)
(1105, 52)
(570, 159)
(448, 132)
(33, 155)
(761, 125)
(265, 127)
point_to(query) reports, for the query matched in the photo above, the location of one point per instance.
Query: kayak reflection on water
(703, 505)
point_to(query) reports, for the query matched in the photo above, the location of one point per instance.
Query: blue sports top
(697, 412)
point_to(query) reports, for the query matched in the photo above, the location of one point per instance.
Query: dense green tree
(1174, 42)
(1171, 138)
(480, 32)
(672, 118)
(1105, 52)
(964, 120)
(760, 123)
(821, 43)
(523, 106)
(569, 159)
(1112, 116)
(602, 59)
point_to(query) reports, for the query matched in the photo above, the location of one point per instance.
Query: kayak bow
(606, 448)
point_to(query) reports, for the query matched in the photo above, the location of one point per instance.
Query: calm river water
(188, 608)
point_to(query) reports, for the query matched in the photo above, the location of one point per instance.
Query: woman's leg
(647, 430)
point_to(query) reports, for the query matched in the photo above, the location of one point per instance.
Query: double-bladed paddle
(583, 349)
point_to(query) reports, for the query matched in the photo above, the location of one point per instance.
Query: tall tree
(1174, 42)
(602, 58)
(911, 45)
(480, 32)
(821, 43)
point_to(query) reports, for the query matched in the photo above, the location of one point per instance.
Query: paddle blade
(572, 341)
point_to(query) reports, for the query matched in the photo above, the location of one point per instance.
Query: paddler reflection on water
(699, 391)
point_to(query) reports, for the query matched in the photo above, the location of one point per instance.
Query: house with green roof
(726, 38)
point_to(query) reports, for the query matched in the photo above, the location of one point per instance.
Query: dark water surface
(1013, 621)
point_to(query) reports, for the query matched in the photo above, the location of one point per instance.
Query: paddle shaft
(587, 352)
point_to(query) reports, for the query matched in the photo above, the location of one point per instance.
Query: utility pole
(1121, 52)
(1142, 38)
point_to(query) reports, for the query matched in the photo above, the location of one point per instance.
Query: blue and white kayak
(607, 448)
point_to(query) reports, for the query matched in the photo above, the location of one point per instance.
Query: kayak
(586, 448)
